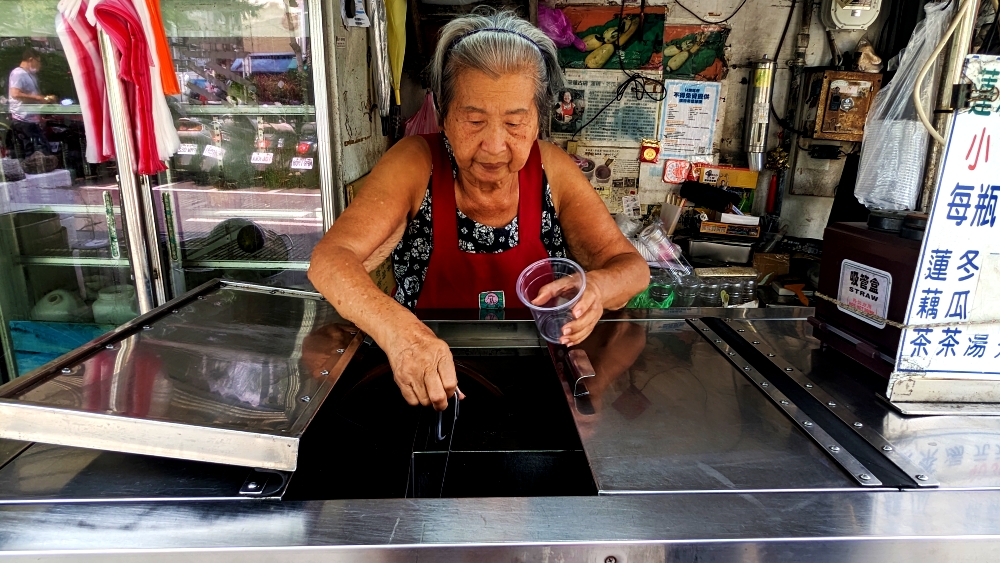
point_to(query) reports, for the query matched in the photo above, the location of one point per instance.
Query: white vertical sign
(957, 287)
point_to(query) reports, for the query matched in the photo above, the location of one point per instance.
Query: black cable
(640, 82)
(703, 20)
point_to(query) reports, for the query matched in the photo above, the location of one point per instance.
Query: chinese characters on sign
(687, 119)
(864, 288)
(960, 259)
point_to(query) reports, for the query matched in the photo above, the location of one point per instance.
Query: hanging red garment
(167, 72)
(456, 278)
(79, 40)
(167, 141)
(119, 19)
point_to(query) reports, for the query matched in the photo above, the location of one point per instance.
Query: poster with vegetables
(610, 46)
(694, 52)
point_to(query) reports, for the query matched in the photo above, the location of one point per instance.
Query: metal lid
(228, 373)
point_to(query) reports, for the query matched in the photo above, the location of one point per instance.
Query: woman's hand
(422, 366)
(586, 312)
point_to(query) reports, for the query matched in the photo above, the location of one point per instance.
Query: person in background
(23, 89)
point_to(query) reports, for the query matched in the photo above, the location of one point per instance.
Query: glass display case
(65, 274)
(243, 198)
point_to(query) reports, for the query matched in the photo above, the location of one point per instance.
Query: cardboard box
(726, 176)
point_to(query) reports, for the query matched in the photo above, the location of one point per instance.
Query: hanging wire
(703, 20)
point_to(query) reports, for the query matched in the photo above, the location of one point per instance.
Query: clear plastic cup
(552, 316)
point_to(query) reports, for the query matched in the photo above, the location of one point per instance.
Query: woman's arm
(363, 235)
(615, 270)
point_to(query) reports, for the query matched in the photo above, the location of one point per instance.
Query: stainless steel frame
(888, 527)
(842, 524)
(320, 29)
(332, 197)
(857, 470)
(132, 204)
(851, 420)
(113, 430)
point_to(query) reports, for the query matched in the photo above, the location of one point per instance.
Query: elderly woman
(471, 207)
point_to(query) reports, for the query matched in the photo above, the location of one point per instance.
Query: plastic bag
(894, 149)
(425, 121)
(557, 26)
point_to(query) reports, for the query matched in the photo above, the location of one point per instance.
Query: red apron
(455, 278)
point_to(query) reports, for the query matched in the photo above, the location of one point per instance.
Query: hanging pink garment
(119, 19)
(167, 140)
(79, 40)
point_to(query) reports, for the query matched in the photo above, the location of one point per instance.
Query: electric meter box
(849, 14)
(837, 103)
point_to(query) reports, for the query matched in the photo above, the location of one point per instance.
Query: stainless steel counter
(667, 413)
(957, 451)
(694, 459)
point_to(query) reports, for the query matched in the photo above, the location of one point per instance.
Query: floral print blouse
(412, 255)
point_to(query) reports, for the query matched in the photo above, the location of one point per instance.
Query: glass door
(65, 275)
(242, 198)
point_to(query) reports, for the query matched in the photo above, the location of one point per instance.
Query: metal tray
(227, 373)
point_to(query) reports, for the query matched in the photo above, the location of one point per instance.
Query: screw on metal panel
(732, 353)
(809, 385)
(831, 404)
(704, 330)
(785, 402)
(110, 346)
(764, 384)
(147, 327)
(340, 350)
(175, 311)
(274, 291)
(788, 369)
(746, 368)
(742, 330)
(756, 341)
(325, 372)
(921, 477)
(305, 398)
(887, 448)
(67, 370)
(610, 559)
(834, 449)
(770, 355)
(806, 423)
(717, 340)
(865, 477)
(201, 298)
(252, 485)
(858, 425)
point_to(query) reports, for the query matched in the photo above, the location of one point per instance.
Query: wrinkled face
(567, 97)
(492, 124)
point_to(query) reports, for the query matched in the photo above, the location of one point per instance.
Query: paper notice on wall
(613, 171)
(625, 122)
(688, 119)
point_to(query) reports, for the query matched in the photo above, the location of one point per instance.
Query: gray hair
(518, 47)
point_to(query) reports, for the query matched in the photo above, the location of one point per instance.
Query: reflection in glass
(241, 198)
(61, 234)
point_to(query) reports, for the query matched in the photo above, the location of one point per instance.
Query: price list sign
(953, 317)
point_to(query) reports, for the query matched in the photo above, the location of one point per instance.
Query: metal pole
(130, 196)
(153, 240)
(329, 143)
(951, 75)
